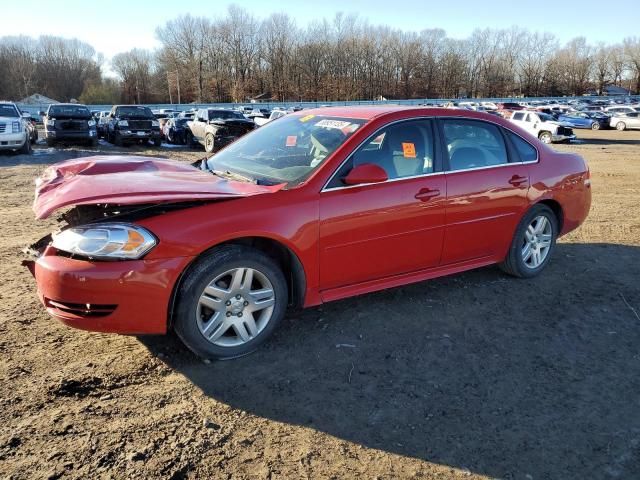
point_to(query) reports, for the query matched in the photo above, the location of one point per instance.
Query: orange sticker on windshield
(306, 118)
(408, 150)
(291, 141)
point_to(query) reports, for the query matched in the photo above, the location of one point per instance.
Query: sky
(116, 26)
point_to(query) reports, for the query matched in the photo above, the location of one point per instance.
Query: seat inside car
(392, 157)
(403, 164)
(467, 157)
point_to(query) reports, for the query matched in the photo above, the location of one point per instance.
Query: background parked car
(132, 124)
(14, 133)
(215, 128)
(274, 115)
(624, 121)
(70, 123)
(542, 126)
(591, 120)
(102, 118)
(175, 129)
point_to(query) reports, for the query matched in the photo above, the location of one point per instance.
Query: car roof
(372, 112)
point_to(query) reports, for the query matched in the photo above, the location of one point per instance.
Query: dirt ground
(477, 375)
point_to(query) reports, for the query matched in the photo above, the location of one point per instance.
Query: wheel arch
(556, 208)
(286, 258)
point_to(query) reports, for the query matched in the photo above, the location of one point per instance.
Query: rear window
(69, 110)
(526, 151)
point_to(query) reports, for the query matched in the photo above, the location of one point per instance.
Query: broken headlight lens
(118, 241)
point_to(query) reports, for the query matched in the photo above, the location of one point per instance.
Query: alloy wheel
(536, 243)
(235, 307)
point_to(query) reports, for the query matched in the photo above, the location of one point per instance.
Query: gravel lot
(476, 375)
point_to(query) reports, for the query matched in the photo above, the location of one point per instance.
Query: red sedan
(320, 205)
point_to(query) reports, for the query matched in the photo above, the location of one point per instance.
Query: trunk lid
(130, 180)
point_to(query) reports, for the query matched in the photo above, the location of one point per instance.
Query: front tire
(595, 126)
(621, 126)
(26, 147)
(545, 137)
(230, 302)
(209, 143)
(533, 243)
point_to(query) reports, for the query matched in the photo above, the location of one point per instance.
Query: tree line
(239, 56)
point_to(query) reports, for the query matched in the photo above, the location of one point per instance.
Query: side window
(473, 144)
(526, 151)
(518, 116)
(403, 150)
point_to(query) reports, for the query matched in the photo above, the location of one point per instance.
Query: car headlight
(91, 123)
(155, 123)
(106, 241)
(123, 123)
(16, 127)
(51, 122)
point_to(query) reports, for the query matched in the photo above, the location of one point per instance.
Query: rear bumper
(128, 297)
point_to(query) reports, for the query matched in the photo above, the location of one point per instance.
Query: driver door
(373, 231)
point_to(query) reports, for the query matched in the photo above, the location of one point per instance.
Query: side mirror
(366, 173)
(42, 114)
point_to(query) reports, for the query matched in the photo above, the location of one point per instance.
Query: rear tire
(117, 140)
(595, 126)
(51, 142)
(157, 142)
(519, 261)
(218, 308)
(621, 126)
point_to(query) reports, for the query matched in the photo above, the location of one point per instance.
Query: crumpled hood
(129, 180)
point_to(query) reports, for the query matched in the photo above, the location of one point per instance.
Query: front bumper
(71, 134)
(562, 138)
(12, 141)
(129, 135)
(127, 297)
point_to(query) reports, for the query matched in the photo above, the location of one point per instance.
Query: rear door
(487, 186)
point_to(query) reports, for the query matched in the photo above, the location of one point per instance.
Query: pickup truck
(215, 128)
(69, 122)
(542, 126)
(132, 124)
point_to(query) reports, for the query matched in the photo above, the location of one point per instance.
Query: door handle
(426, 194)
(517, 180)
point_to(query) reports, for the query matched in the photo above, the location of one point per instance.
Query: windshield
(546, 118)
(224, 115)
(135, 112)
(288, 150)
(69, 111)
(8, 111)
